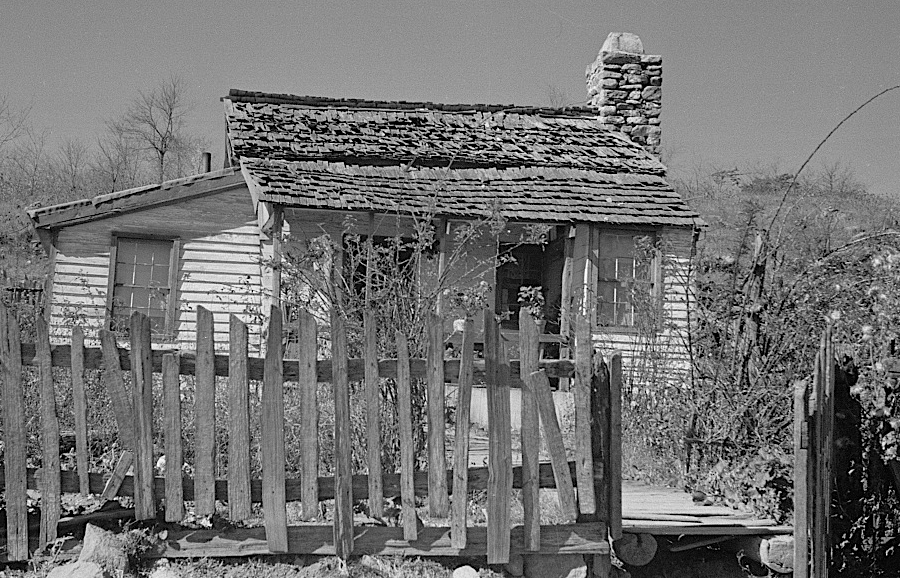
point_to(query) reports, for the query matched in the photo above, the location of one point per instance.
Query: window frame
(170, 330)
(657, 296)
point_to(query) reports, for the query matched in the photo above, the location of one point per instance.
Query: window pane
(160, 275)
(125, 251)
(625, 269)
(606, 314)
(124, 274)
(607, 268)
(140, 298)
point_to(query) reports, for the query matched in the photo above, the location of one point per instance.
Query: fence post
(49, 484)
(584, 463)
(343, 472)
(615, 445)
(309, 415)
(272, 442)
(438, 500)
(205, 416)
(373, 415)
(14, 436)
(461, 439)
(79, 404)
(529, 354)
(801, 489)
(499, 442)
(174, 452)
(239, 421)
(142, 384)
(407, 450)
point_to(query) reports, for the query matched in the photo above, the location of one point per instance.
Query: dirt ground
(699, 563)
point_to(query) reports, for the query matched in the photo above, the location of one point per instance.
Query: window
(627, 280)
(142, 280)
(530, 266)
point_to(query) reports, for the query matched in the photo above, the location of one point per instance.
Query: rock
(79, 570)
(610, 83)
(652, 59)
(635, 549)
(623, 42)
(465, 572)
(163, 569)
(105, 549)
(652, 93)
(516, 565)
(555, 566)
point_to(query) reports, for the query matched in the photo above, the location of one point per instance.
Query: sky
(745, 82)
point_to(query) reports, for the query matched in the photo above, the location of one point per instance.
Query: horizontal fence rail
(144, 384)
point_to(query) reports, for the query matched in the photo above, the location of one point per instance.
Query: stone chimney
(625, 86)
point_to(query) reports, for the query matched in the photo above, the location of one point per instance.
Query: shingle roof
(555, 165)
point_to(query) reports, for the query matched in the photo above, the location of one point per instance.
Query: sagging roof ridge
(254, 97)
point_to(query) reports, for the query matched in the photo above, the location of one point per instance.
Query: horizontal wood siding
(648, 358)
(219, 265)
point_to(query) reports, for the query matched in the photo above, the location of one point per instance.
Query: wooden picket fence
(589, 490)
(813, 472)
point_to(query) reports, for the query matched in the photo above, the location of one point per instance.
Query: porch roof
(532, 164)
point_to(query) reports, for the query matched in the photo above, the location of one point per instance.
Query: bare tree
(117, 163)
(13, 122)
(156, 124)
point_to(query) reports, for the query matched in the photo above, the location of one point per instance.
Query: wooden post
(566, 308)
(171, 381)
(499, 442)
(407, 451)
(205, 416)
(309, 415)
(111, 489)
(343, 472)
(601, 442)
(272, 438)
(142, 385)
(461, 439)
(79, 408)
(441, 238)
(555, 445)
(584, 465)
(438, 499)
(615, 446)
(373, 415)
(239, 421)
(801, 491)
(49, 483)
(14, 437)
(531, 436)
(115, 387)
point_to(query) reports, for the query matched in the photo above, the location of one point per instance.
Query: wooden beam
(381, 541)
(584, 461)
(461, 439)
(499, 443)
(119, 396)
(407, 449)
(309, 415)
(14, 437)
(142, 388)
(373, 414)
(205, 416)
(343, 467)
(80, 409)
(438, 501)
(239, 507)
(801, 489)
(562, 471)
(61, 356)
(50, 490)
(530, 431)
(174, 491)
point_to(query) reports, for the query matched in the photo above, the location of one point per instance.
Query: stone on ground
(555, 566)
(465, 572)
(162, 569)
(516, 565)
(79, 570)
(105, 549)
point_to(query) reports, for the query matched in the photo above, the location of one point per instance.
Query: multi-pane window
(142, 282)
(626, 280)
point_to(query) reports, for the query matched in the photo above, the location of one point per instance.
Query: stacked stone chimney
(625, 86)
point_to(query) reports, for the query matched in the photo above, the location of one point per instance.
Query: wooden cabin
(617, 238)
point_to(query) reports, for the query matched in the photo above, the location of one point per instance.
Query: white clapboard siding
(219, 264)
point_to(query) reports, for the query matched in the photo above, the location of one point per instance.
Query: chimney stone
(625, 87)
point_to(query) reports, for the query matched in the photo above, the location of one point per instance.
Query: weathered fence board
(407, 450)
(499, 443)
(115, 387)
(801, 487)
(343, 467)
(79, 409)
(373, 415)
(561, 471)
(14, 437)
(309, 415)
(461, 437)
(142, 387)
(272, 442)
(530, 431)
(50, 490)
(174, 452)
(614, 460)
(205, 415)
(438, 500)
(239, 507)
(584, 456)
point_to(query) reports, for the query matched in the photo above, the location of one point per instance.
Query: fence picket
(309, 415)
(272, 442)
(14, 438)
(115, 387)
(373, 416)
(529, 355)
(584, 463)
(205, 416)
(801, 487)
(499, 442)
(142, 385)
(555, 446)
(111, 488)
(79, 408)
(174, 453)
(461, 439)
(407, 450)
(50, 490)
(343, 472)
(438, 499)
(239, 507)
(614, 474)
